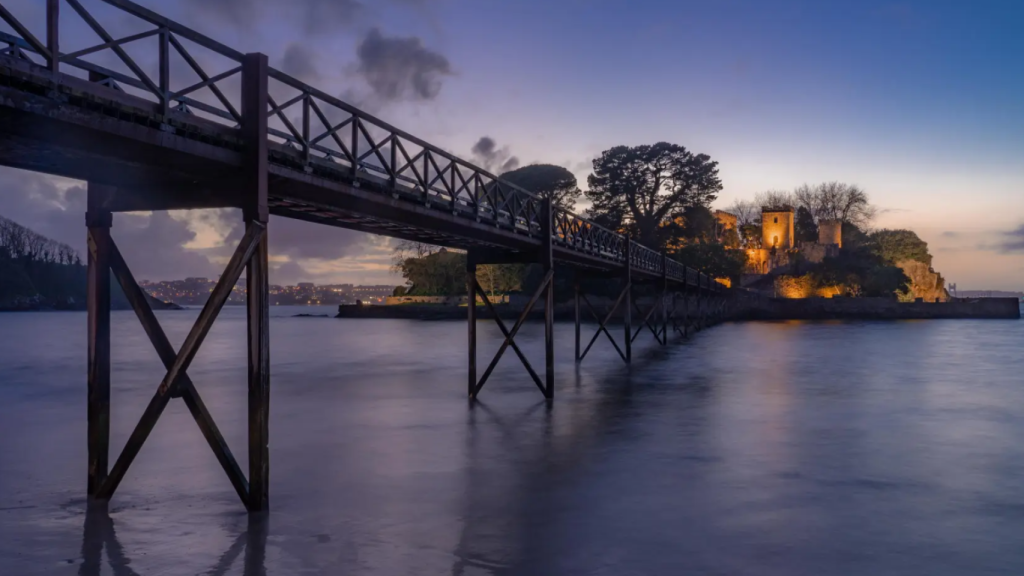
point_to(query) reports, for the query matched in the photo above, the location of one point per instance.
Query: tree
(638, 187)
(405, 249)
(862, 272)
(547, 181)
(713, 259)
(746, 211)
(844, 202)
(898, 245)
(751, 235)
(773, 200)
(806, 229)
(730, 238)
(701, 223)
(442, 273)
(500, 278)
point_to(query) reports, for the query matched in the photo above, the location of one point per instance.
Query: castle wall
(725, 219)
(777, 229)
(830, 232)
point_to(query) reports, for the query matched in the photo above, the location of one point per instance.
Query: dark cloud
(399, 68)
(300, 62)
(292, 239)
(316, 17)
(1012, 241)
(324, 16)
(485, 147)
(241, 13)
(153, 245)
(493, 159)
(297, 239)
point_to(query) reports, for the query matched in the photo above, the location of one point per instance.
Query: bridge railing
(194, 77)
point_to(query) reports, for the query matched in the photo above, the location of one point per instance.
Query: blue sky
(921, 103)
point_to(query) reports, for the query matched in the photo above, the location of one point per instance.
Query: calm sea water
(763, 448)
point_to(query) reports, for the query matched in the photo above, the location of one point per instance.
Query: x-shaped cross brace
(681, 328)
(176, 381)
(646, 322)
(602, 327)
(511, 334)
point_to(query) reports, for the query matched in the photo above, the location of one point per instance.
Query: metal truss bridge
(163, 117)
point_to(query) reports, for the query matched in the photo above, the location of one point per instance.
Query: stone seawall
(746, 307)
(881, 309)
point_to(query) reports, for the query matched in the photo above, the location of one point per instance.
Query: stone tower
(830, 232)
(777, 228)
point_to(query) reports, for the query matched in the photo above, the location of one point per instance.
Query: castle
(779, 245)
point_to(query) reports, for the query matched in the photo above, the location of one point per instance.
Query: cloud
(498, 160)
(401, 68)
(324, 16)
(241, 13)
(315, 16)
(950, 234)
(152, 244)
(175, 245)
(300, 62)
(1012, 241)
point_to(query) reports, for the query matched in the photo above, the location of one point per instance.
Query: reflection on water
(99, 534)
(767, 448)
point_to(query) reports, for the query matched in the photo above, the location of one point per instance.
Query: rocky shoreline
(39, 304)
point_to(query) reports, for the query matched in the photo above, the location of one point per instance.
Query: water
(763, 448)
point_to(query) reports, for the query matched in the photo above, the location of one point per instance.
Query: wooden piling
(98, 222)
(627, 311)
(548, 261)
(576, 307)
(255, 70)
(471, 321)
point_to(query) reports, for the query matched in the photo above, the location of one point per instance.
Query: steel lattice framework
(166, 118)
(190, 85)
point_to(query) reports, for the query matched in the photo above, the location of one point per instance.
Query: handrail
(429, 175)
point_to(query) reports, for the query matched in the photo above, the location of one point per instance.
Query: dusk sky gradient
(921, 103)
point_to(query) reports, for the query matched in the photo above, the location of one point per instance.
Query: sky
(920, 103)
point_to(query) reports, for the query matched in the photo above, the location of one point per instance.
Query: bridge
(166, 118)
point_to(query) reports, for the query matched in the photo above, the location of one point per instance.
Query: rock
(925, 283)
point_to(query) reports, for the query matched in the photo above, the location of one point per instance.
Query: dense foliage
(898, 245)
(805, 228)
(637, 188)
(713, 259)
(547, 181)
(440, 273)
(37, 272)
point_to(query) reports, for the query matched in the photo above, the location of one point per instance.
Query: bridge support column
(98, 222)
(576, 309)
(627, 280)
(255, 100)
(701, 305)
(664, 296)
(474, 258)
(471, 320)
(547, 259)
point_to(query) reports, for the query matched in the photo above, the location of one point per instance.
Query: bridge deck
(174, 143)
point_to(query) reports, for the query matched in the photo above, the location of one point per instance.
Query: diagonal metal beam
(645, 322)
(514, 331)
(102, 33)
(184, 358)
(23, 32)
(110, 44)
(208, 82)
(505, 332)
(602, 327)
(187, 57)
(137, 298)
